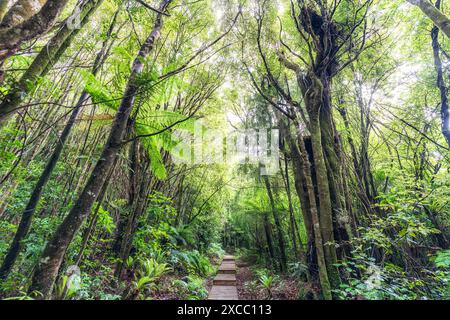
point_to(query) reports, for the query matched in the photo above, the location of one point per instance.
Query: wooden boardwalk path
(224, 284)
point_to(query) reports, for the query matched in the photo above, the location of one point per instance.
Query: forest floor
(166, 290)
(244, 275)
(285, 288)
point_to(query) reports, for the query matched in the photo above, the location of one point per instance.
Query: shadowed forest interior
(118, 122)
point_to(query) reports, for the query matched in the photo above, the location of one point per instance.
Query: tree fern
(148, 120)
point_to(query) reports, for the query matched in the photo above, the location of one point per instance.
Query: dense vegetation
(101, 99)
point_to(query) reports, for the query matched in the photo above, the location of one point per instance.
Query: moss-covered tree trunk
(312, 90)
(316, 224)
(20, 11)
(4, 5)
(12, 37)
(440, 82)
(45, 60)
(439, 19)
(333, 158)
(276, 218)
(268, 233)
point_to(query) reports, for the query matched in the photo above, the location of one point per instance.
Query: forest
(148, 145)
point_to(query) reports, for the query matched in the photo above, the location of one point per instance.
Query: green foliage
(149, 271)
(9, 141)
(148, 120)
(25, 296)
(105, 220)
(194, 212)
(368, 280)
(399, 206)
(442, 259)
(34, 244)
(215, 250)
(98, 92)
(193, 262)
(442, 275)
(160, 208)
(297, 270)
(67, 287)
(155, 235)
(152, 269)
(266, 281)
(7, 231)
(98, 285)
(191, 288)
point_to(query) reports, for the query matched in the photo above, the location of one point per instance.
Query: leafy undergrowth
(163, 265)
(181, 275)
(259, 284)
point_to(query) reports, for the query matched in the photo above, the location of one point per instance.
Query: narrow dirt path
(224, 284)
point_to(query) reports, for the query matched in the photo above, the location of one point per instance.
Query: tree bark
(292, 225)
(318, 241)
(20, 11)
(439, 19)
(94, 218)
(276, 218)
(4, 6)
(12, 38)
(331, 146)
(268, 232)
(313, 100)
(44, 61)
(445, 111)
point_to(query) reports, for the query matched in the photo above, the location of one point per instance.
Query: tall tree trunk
(20, 11)
(445, 111)
(292, 225)
(138, 194)
(299, 178)
(53, 255)
(318, 241)
(45, 60)
(439, 19)
(331, 145)
(139, 205)
(28, 213)
(300, 183)
(133, 193)
(313, 101)
(268, 232)
(4, 6)
(281, 244)
(94, 217)
(12, 38)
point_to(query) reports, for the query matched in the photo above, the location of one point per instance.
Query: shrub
(193, 262)
(191, 288)
(215, 250)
